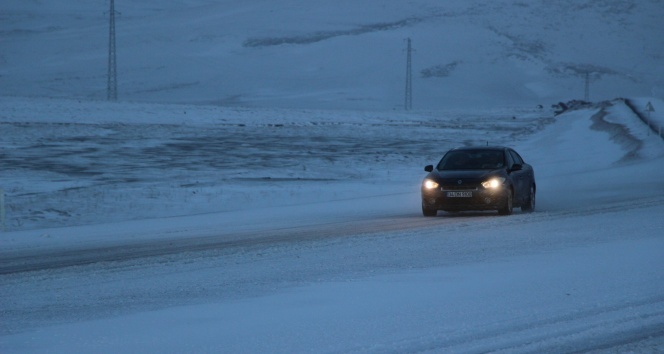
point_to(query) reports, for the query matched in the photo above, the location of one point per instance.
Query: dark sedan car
(479, 178)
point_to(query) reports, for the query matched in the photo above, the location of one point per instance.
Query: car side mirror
(428, 168)
(516, 167)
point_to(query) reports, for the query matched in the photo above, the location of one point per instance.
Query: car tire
(529, 207)
(428, 211)
(508, 207)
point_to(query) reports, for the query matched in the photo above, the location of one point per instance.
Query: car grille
(463, 186)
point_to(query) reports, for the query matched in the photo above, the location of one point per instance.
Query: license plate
(459, 194)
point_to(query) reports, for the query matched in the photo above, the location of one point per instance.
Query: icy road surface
(365, 272)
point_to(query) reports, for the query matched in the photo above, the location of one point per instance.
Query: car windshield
(472, 160)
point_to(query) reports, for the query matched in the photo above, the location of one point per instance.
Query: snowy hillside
(340, 54)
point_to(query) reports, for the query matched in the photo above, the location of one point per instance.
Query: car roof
(474, 148)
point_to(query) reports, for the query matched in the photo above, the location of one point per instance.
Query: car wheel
(508, 206)
(529, 207)
(429, 212)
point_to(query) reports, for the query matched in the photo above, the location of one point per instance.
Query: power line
(408, 105)
(112, 83)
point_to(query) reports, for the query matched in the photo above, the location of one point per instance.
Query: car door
(519, 176)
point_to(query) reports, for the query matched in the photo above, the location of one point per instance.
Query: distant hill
(346, 54)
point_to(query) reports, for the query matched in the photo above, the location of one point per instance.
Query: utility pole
(408, 105)
(112, 84)
(587, 90)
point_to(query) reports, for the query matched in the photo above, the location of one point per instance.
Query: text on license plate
(459, 194)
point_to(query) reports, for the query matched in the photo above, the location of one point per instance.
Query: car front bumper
(460, 200)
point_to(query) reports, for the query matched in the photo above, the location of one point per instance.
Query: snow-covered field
(63, 168)
(256, 186)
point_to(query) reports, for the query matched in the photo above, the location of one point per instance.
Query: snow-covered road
(550, 281)
(365, 272)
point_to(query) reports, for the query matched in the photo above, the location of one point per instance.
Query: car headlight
(429, 184)
(493, 183)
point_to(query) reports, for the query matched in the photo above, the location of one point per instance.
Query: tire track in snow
(19, 262)
(54, 259)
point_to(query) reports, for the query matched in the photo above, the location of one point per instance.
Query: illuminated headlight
(493, 183)
(429, 184)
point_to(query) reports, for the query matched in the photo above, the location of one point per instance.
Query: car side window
(510, 159)
(516, 157)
